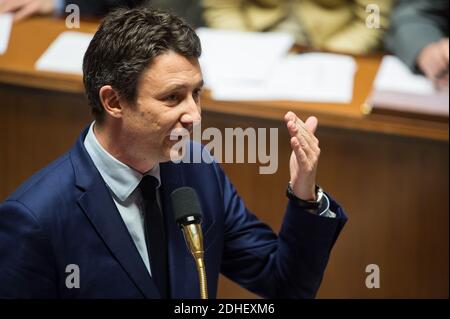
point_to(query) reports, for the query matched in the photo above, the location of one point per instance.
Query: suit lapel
(99, 207)
(181, 272)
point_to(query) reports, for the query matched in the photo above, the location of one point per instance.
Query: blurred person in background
(331, 25)
(419, 36)
(25, 8)
(188, 9)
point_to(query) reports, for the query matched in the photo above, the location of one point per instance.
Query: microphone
(188, 216)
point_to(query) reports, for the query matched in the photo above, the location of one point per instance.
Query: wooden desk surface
(29, 40)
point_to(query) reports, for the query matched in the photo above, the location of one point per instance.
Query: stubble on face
(166, 103)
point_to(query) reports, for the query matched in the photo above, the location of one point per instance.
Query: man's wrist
(306, 204)
(306, 190)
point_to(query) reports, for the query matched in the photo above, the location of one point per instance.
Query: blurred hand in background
(25, 8)
(433, 62)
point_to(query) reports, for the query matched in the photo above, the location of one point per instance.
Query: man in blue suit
(87, 213)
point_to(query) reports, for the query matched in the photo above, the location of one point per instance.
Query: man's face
(168, 99)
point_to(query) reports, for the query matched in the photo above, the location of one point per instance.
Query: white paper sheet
(248, 57)
(6, 21)
(65, 54)
(395, 76)
(314, 77)
(397, 89)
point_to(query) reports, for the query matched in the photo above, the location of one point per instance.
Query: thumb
(312, 123)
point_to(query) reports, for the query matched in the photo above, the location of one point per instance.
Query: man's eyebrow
(182, 86)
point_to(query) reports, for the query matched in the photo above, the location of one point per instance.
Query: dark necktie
(155, 235)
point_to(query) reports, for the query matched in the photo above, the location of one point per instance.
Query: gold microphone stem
(194, 238)
(202, 277)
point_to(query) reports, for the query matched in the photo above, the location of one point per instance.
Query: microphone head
(186, 206)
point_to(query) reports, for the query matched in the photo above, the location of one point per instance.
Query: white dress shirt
(123, 182)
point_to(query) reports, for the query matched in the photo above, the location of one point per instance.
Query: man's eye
(172, 98)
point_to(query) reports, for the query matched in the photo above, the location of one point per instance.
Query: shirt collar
(121, 179)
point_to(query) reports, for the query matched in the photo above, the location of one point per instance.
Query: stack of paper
(241, 66)
(397, 89)
(314, 77)
(6, 21)
(240, 58)
(395, 76)
(256, 66)
(66, 53)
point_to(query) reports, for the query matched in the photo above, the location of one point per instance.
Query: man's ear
(111, 101)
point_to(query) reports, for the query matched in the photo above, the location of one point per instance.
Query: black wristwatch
(305, 204)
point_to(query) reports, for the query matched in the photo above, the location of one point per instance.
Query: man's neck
(119, 147)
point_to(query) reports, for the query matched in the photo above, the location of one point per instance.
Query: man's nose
(193, 113)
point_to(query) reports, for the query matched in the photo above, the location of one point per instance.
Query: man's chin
(176, 150)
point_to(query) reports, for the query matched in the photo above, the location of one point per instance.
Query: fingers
(436, 65)
(298, 128)
(12, 5)
(300, 154)
(442, 83)
(309, 127)
(303, 141)
(433, 60)
(27, 10)
(301, 148)
(306, 141)
(312, 123)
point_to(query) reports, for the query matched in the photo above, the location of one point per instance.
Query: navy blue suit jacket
(65, 215)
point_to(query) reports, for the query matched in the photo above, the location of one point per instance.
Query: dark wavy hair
(126, 43)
